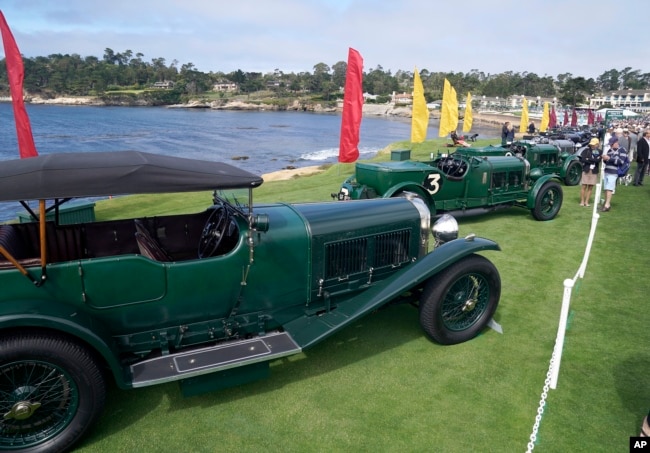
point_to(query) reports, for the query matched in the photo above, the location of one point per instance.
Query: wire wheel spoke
(465, 302)
(37, 401)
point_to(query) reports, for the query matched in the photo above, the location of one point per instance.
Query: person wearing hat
(614, 158)
(590, 158)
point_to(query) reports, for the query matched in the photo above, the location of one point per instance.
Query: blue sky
(546, 37)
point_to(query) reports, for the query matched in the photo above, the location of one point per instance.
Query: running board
(223, 356)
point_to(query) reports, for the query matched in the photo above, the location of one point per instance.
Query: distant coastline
(376, 110)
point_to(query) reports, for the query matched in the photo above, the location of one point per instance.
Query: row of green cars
(210, 299)
(473, 181)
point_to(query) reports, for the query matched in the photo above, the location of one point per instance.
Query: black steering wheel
(213, 232)
(452, 166)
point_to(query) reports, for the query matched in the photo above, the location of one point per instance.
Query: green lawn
(380, 385)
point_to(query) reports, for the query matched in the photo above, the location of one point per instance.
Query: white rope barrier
(556, 357)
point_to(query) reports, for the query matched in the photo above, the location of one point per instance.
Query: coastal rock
(70, 100)
(191, 105)
(237, 105)
(386, 110)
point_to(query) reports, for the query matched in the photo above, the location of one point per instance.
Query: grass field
(381, 386)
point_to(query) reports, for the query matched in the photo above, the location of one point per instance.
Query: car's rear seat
(12, 243)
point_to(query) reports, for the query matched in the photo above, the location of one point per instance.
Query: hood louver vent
(345, 258)
(358, 255)
(391, 249)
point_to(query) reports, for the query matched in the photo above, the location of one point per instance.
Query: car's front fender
(307, 331)
(532, 194)
(567, 163)
(412, 187)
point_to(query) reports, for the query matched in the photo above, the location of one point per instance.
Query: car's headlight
(445, 229)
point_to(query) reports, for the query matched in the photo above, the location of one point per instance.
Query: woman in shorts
(590, 159)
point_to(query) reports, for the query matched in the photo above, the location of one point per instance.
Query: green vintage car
(550, 157)
(458, 184)
(207, 299)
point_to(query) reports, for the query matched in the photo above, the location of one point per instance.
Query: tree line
(57, 74)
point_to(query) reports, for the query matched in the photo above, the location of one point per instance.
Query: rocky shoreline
(368, 109)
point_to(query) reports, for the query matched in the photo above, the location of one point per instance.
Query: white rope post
(559, 341)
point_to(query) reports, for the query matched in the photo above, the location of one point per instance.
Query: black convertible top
(72, 175)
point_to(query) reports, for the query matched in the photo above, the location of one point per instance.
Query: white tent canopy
(626, 112)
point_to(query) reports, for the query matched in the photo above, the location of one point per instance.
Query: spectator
(504, 132)
(531, 128)
(624, 140)
(511, 134)
(590, 159)
(459, 140)
(634, 140)
(609, 133)
(613, 159)
(642, 156)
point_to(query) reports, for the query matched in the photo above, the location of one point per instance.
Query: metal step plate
(215, 358)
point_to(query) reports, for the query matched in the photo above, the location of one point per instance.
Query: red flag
(574, 118)
(552, 119)
(16, 74)
(590, 117)
(352, 108)
(566, 118)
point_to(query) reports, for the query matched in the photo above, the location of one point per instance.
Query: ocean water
(257, 141)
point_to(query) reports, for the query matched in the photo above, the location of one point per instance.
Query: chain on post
(542, 403)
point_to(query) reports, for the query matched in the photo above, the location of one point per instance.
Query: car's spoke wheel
(573, 174)
(51, 391)
(548, 201)
(458, 303)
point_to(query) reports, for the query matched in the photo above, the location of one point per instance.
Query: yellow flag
(545, 119)
(467, 121)
(448, 110)
(420, 113)
(523, 126)
(453, 109)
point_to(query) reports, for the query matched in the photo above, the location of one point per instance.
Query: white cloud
(493, 36)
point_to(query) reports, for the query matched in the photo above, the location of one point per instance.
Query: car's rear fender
(534, 191)
(307, 331)
(40, 315)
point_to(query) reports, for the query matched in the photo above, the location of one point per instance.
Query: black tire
(52, 391)
(548, 201)
(458, 302)
(573, 174)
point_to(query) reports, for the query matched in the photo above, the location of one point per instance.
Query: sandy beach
(282, 175)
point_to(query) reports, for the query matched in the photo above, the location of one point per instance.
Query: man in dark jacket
(642, 155)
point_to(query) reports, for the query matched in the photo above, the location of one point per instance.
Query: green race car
(459, 184)
(207, 299)
(550, 157)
